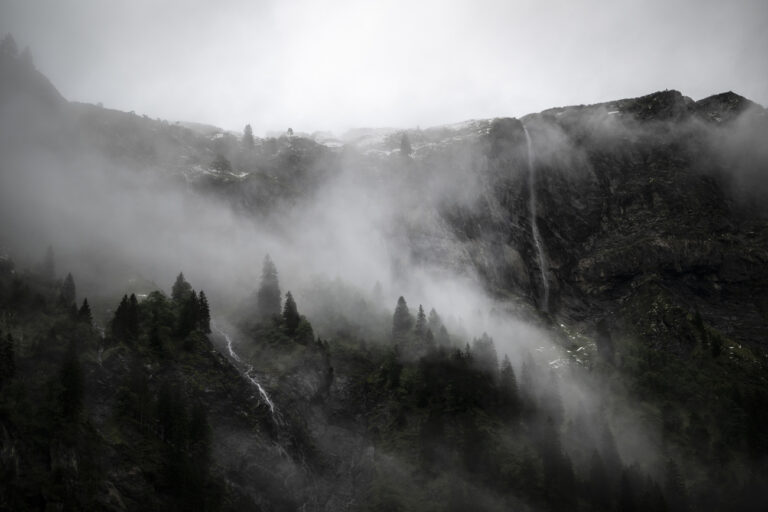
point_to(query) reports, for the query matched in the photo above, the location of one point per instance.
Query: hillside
(566, 311)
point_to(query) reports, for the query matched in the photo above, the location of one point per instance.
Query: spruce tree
(204, 317)
(434, 322)
(189, 317)
(421, 323)
(485, 355)
(248, 141)
(508, 386)
(8, 47)
(443, 338)
(67, 294)
(181, 288)
(84, 315)
(402, 321)
(119, 325)
(290, 315)
(268, 296)
(429, 340)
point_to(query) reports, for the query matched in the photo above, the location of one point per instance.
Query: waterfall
(534, 223)
(248, 372)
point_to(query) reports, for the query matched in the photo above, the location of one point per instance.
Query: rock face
(631, 194)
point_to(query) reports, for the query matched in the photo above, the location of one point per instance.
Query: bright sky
(338, 64)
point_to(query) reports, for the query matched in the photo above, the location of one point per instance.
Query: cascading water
(248, 373)
(534, 223)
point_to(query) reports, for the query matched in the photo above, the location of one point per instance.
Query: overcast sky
(332, 65)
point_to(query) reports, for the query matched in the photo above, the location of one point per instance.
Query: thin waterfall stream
(543, 266)
(249, 373)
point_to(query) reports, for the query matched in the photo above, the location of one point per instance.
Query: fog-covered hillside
(565, 311)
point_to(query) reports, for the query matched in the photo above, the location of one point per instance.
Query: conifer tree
(84, 315)
(402, 321)
(181, 288)
(248, 141)
(421, 323)
(429, 340)
(290, 315)
(268, 296)
(189, 317)
(67, 294)
(204, 317)
(443, 338)
(119, 324)
(434, 322)
(508, 385)
(485, 355)
(8, 47)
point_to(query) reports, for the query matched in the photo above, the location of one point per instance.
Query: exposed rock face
(630, 194)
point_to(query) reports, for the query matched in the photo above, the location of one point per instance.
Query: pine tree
(119, 324)
(248, 141)
(421, 323)
(204, 318)
(8, 47)
(84, 315)
(434, 321)
(268, 296)
(189, 317)
(443, 338)
(485, 355)
(67, 294)
(181, 288)
(290, 315)
(429, 340)
(402, 321)
(508, 386)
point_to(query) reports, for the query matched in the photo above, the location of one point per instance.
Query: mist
(644, 208)
(335, 66)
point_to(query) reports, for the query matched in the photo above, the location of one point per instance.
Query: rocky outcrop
(629, 193)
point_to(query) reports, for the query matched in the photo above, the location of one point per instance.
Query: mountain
(566, 311)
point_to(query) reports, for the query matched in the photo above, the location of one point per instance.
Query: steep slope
(633, 233)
